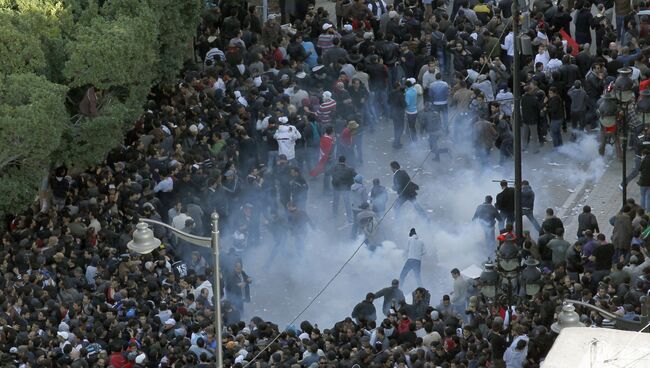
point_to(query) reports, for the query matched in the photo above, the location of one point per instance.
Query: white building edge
(584, 347)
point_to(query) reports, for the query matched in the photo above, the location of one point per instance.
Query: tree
(28, 103)
(51, 52)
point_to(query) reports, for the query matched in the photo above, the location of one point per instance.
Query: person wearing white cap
(287, 135)
(326, 39)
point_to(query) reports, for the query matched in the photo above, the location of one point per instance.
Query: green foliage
(51, 51)
(28, 103)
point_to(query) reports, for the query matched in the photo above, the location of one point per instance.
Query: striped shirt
(325, 111)
(326, 41)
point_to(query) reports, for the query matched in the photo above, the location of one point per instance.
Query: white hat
(272, 16)
(239, 359)
(237, 94)
(301, 75)
(257, 81)
(63, 327)
(63, 334)
(170, 321)
(412, 80)
(194, 128)
(326, 26)
(283, 119)
(348, 27)
(435, 315)
(140, 358)
(211, 39)
(392, 14)
(13, 350)
(327, 95)
(368, 35)
(304, 336)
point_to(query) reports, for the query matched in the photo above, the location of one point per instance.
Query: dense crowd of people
(268, 106)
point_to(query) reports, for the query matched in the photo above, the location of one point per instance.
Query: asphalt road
(450, 191)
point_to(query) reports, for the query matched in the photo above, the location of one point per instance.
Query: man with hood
(413, 258)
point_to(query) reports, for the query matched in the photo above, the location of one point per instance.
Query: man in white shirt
(287, 135)
(542, 56)
(509, 46)
(413, 258)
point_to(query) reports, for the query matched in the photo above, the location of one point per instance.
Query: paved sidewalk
(604, 197)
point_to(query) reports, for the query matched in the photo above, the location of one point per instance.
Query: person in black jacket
(342, 180)
(506, 204)
(531, 109)
(365, 311)
(555, 111)
(406, 190)
(528, 203)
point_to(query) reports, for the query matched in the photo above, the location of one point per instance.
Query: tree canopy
(52, 52)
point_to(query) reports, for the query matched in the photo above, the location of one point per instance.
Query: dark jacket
(487, 213)
(587, 221)
(365, 311)
(527, 197)
(644, 176)
(530, 108)
(342, 177)
(555, 108)
(392, 296)
(506, 200)
(403, 185)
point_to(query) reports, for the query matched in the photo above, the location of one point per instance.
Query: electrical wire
(347, 261)
(358, 248)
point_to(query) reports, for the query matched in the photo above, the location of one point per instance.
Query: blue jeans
(411, 265)
(645, 198)
(529, 215)
(620, 26)
(418, 208)
(490, 238)
(556, 132)
(337, 194)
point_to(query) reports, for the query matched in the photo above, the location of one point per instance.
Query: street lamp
(144, 243)
(567, 318)
(508, 255)
(610, 105)
(531, 277)
(489, 279)
(623, 85)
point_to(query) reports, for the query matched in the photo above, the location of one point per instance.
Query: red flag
(326, 147)
(571, 42)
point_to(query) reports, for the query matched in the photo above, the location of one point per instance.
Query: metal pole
(217, 288)
(519, 229)
(265, 11)
(624, 148)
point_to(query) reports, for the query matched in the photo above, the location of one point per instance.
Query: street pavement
(563, 179)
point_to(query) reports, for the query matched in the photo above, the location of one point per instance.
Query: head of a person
(488, 199)
(455, 273)
(504, 184)
(394, 165)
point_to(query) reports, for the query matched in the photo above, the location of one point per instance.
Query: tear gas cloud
(450, 190)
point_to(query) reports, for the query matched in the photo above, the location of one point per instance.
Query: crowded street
(345, 183)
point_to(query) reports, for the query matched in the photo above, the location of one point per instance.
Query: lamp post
(516, 91)
(144, 243)
(614, 100)
(620, 323)
(497, 278)
(567, 318)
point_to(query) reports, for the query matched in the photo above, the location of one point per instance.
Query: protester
(262, 105)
